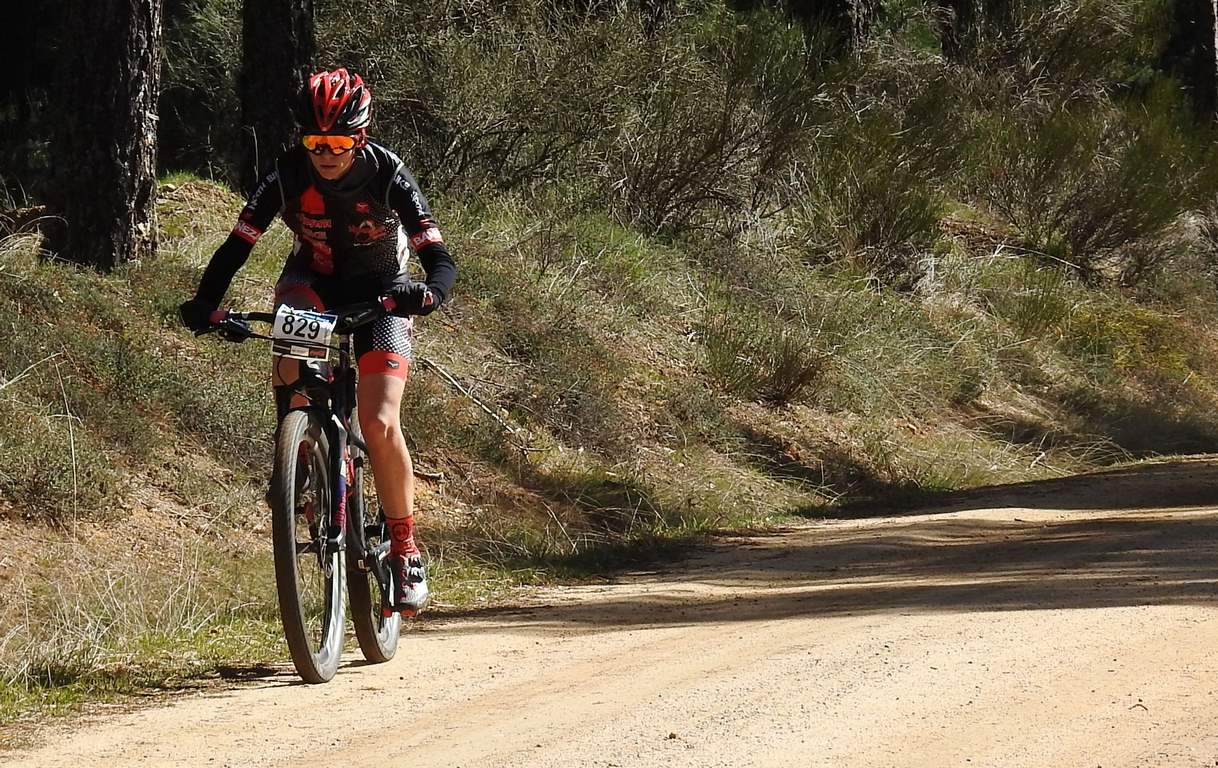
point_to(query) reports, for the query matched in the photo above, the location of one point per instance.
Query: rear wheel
(309, 579)
(377, 634)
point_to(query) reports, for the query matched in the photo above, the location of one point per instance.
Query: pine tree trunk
(277, 50)
(846, 22)
(1192, 53)
(1212, 63)
(104, 188)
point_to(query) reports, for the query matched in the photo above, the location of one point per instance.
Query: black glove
(413, 299)
(196, 314)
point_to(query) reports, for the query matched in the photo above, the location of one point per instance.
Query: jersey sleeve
(405, 198)
(255, 218)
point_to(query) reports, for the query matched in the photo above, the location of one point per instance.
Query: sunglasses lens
(337, 145)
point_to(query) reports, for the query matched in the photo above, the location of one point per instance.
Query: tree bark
(1211, 108)
(277, 50)
(846, 23)
(104, 187)
(1192, 53)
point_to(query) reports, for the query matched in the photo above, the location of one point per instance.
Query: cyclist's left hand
(414, 298)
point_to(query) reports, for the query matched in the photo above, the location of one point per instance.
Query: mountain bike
(328, 530)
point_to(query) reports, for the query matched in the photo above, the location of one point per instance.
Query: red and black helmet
(335, 102)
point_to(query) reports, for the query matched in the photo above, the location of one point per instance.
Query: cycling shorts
(381, 347)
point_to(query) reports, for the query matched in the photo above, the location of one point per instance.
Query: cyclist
(357, 213)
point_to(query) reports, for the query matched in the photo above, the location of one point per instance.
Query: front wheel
(308, 577)
(377, 634)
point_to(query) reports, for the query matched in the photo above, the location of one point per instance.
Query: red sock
(401, 536)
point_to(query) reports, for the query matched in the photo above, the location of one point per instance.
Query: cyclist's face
(330, 166)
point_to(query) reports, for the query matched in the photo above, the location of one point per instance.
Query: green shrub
(198, 102)
(872, 185)
(1075, 48)
(896, 354)
(871, 201)
(479, 94)
(777, 360)
(682, 130)
(709, 138)
(1088, 187)
(1035, 299)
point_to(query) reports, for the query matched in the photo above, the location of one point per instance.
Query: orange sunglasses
(336, 144)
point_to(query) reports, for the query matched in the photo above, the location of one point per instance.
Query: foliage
(198, 104)
(775, 359)
(1035, 299)
(1088, 186)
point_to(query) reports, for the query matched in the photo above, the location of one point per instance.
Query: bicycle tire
(376, 633)
(313, 625)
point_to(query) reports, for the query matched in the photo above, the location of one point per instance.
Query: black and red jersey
(359, 229)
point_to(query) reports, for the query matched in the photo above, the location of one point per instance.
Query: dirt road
(1069, 623)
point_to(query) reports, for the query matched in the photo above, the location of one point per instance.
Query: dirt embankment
(1069, 623)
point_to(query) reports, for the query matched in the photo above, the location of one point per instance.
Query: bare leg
(380, 400)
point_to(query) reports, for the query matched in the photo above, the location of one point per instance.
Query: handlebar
(235, 326)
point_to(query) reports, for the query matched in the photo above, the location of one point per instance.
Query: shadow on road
(1157, 546)
(1166, 485)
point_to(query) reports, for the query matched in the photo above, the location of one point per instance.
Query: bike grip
(218, 316)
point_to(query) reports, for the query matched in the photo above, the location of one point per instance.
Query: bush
(872, 188)
(481, 95)
(198, 103)
(677, 131)
(897, 354)
(775, 360)
(1033, 298)
(1089, 187)
(871, 200)
(707, 138)
(1071, 48)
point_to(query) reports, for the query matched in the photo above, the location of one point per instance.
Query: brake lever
(234, 330)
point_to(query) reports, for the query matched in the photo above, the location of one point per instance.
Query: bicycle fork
(337, 531)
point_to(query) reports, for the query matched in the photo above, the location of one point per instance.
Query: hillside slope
(640, 397)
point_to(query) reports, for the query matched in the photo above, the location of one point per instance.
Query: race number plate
(302, 334)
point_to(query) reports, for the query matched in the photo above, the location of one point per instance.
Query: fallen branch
(452, 380)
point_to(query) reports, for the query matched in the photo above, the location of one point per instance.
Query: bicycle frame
(347, 527)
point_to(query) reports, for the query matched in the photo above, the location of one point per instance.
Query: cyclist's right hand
(196, 314)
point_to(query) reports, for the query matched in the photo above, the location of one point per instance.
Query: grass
(95, 621)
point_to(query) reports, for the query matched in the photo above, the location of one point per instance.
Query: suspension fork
(342, 399)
